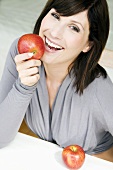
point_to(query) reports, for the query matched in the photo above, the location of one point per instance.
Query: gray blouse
(86, 120)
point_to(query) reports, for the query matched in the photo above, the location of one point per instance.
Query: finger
(22, 57)
(31, 80)
(28, 72)
(28, 64)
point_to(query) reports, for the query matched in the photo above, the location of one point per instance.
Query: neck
(55, 73)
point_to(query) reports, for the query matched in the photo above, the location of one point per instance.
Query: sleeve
(105, 99)
(14, 99)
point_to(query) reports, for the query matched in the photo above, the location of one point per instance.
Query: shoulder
(104, 96)
(102, 100)
(101, 91)
(103, 86)
(100, 95)
(13, 51)
(10, 66)
(99, 87)
(13, 48)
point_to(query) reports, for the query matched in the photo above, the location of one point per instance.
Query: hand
(27, 69)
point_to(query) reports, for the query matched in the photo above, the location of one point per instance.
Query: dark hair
(85, 68)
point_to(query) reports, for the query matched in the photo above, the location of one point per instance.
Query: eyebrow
(76, 22)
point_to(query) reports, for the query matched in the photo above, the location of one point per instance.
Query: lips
(52, 46)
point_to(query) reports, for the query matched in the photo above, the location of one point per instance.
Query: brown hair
(85, 68)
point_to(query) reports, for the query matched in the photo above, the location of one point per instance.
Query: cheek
(76, 43)
(73, 42)
(44, 24)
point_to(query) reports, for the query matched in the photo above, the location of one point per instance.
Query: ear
(88, 47)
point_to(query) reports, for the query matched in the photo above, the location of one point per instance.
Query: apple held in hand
(73, 156)
(31, 43)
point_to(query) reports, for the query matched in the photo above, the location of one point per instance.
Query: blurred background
(18, 17)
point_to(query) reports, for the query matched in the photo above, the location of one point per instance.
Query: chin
(48, 59)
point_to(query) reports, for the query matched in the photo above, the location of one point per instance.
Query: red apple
(73, 156)
(31, 43)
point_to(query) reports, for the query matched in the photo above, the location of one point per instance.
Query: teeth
(53, 45)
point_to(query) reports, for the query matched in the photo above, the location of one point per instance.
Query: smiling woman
(62, 39)
(68, 98)
(94, 40)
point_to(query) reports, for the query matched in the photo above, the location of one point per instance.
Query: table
(30, 153)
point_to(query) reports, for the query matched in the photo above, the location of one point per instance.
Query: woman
(66, 97)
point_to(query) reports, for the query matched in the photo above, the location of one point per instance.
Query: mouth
(52, 46)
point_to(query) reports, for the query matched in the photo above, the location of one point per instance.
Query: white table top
(30, 153)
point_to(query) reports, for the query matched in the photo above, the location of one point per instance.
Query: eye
(75, 28)
(55, 15)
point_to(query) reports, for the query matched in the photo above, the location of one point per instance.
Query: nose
(57, 32)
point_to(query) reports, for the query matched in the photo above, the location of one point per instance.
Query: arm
(104, 95)
(105, 99)
(107, 58)
(14, 99)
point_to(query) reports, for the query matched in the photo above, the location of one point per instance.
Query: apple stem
(34, 51)
(73, 148)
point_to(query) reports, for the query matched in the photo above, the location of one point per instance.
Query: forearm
(106, 155)
(12, 111)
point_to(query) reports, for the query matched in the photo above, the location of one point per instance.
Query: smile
(52, 45)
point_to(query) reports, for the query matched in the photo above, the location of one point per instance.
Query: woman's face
(65, 37)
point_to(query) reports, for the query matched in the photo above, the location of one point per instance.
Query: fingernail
(30, 54)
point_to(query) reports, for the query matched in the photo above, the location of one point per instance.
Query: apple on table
(73, 156)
